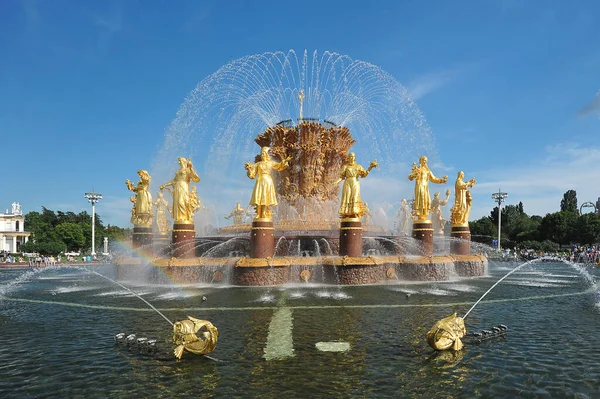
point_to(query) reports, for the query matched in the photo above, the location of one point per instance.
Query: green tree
(569, 202)
(72, 235)
(558, 227)
(587, 230)
(482, 230)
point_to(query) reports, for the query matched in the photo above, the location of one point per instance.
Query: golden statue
(184, 336)
(263, 195)
(238, 214)
(162, 208)
(423, 175)
(351, 206)
(436, 212)
(462, 201)
(446, 333)
(141, 214)
(404, 216)
(181, 191)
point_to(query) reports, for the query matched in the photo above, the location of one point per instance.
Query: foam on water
(73, 288)
(172, 295)
(266, 298)
(297, 295)
(461, 287)
(438, 292)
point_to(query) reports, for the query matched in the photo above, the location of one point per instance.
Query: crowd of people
(37, 260)
(577, 254)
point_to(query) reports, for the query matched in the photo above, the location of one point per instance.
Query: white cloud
(540, 184)
(425, 84)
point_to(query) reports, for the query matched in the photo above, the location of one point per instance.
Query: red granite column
(184, 240)
(262, 239)
(461, 243)
(423, 232)
(142, 240)
(351, 237)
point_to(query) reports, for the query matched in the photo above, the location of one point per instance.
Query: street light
(93, 198)
(499, 197)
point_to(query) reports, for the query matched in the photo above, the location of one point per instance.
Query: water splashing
(249, 94)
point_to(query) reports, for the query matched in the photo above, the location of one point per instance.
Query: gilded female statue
(263, 195)
(162, 208)
(351, 205)
(181, 190)
(141, 214)
(404, 216)
(238, 214)
(462, 200)
(423, 175)
(437, 217)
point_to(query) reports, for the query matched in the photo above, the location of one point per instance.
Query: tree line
(559, 229)
(59, 232)
(56, 232)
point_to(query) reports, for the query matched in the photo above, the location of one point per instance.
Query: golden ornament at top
(263, 195)
(141, 213)
(422, 176)
(462, 201)
(184, 202)
(351, 205)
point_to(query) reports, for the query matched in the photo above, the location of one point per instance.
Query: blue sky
(510, 90)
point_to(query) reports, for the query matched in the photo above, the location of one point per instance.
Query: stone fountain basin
(336, 270)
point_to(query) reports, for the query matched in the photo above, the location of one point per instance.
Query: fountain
(296, 337)
(302, 203)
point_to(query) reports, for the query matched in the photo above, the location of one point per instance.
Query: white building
(12, 229)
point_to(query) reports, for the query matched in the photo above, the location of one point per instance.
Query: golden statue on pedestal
(263, 195)
(462, 201)
(184, 336)
(446, 333)
(352, 206)
(183, 206)
(437, 217)
(141, 214)
(423, 175)
(237, 214)
(162, 209)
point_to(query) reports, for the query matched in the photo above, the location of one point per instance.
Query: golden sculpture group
(311, 179)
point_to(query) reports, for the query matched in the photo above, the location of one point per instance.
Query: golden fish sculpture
(184, 336)
(446, 334)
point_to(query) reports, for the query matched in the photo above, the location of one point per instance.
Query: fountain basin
(338, 270)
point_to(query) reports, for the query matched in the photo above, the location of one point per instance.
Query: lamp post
(499, 197)
(93, 198)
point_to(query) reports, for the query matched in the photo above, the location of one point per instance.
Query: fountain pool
(302, 340)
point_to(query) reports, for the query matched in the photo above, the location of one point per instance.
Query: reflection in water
(385, 328)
